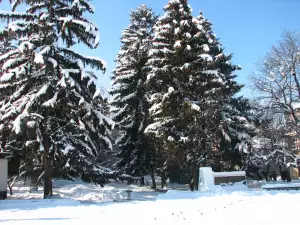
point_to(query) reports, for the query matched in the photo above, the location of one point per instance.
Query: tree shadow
(33, 219)
(36, 204)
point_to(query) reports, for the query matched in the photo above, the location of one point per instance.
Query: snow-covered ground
(226, 205)
(85, 192)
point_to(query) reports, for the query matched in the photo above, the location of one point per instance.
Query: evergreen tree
(130, 103)
(48, 90)
(191, 83)
(233, 126)
(237, 128)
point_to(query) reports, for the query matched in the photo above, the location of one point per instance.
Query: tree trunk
(142, 181)
(47, 167)
(197, 177)
(10, 190)
(163, 180)
(193, 183)
(153, 180)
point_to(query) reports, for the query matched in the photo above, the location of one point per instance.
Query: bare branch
(278, 79)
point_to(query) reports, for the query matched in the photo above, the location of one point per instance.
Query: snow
(177, 44)
(170, 90)
(51, 102)
(152, 127)
(229, 174)
(205, 48)
(195, 20)
(81, 125)
(188, 35)
(206, 57)
(196, 107)
(53, 61)
(296, 105)
(184, 139)
(200, 27)
(31, 124)
(155, 107)
(25, 45)
(125, 76)
(62, 82)
(97, 93)
(81, 101)
(17, 124)
(8, 63)
(85, 203)
(170, 138)
(6, 77)
(43, 90)
(39, 59)
(131, 95)
(67, 148)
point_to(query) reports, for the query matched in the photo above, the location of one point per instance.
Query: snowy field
(77, 203)
(85, 192)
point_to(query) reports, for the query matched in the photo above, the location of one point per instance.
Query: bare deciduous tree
(278, 80)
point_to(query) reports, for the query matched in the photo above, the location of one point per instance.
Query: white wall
(206, 178)
(3, 174)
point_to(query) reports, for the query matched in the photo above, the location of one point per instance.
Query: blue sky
(246, 28)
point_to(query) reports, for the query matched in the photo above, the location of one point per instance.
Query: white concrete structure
(230, 174)
(207, 177)
(3, 177)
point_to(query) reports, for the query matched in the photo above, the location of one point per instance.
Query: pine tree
(130, 103)
(49, 91)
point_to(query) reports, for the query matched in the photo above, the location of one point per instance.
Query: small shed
(3, 176)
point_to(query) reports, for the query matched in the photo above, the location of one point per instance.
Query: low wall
(220, 180)
(208, 179)
(227, 177)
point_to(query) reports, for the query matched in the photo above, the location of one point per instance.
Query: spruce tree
(233, 126)
(130, 100)
(48, 89)
(191, 82)
(236, 130)
(179, 80)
